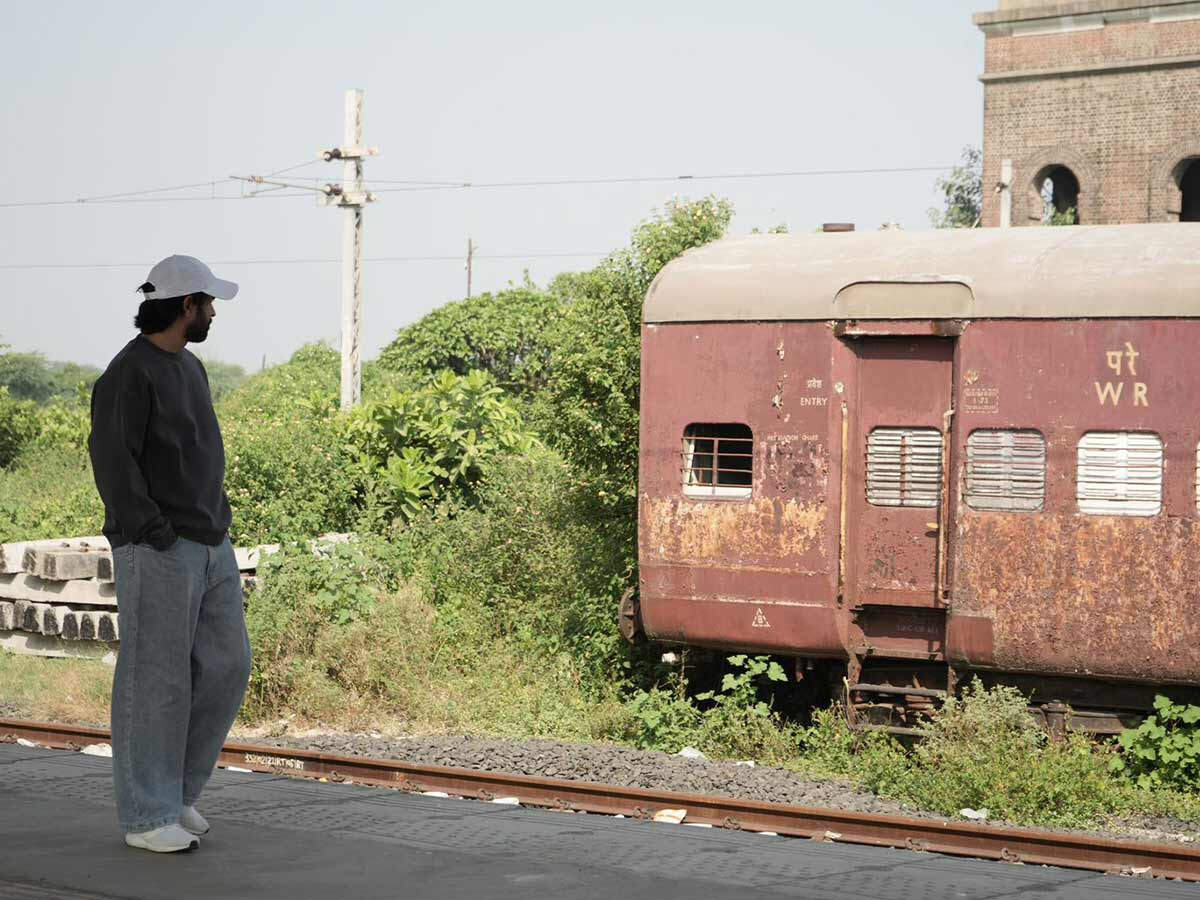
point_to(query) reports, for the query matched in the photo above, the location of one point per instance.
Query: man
(159, 465)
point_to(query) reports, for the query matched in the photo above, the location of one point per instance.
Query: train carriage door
(897, 469)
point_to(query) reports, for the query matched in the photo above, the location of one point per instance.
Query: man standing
(159, 465)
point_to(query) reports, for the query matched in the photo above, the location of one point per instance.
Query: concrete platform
(283, 838)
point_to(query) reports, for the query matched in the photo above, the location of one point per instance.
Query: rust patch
(796, 466)
(759, 532)
(970, 641)
(1084, 595)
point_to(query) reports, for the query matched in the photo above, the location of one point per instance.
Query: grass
(57, 690)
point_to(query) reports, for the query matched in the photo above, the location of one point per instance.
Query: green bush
(985, 750)
(49, 493)
(588, 408)
(1164, 750)
(415, 449)
(872, 759)
(288, 472)
(345, 639)
(528, 565)
(20, 424)
(503, 334)
(303, 599)
(739, 724)
(659, 719)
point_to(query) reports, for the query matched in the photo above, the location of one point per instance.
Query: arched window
(1189, 189)
(1059, 189)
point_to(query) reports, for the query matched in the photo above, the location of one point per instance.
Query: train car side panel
(756, 571)
(1059, 590)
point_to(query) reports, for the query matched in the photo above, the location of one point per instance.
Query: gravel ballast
(625, 767)
(602, 764)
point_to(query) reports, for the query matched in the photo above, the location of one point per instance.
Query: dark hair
(154, 316)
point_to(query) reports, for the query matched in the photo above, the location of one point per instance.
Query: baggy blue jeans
(181, 675)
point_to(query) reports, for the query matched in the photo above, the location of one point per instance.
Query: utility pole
(351, 195)
(470, 259)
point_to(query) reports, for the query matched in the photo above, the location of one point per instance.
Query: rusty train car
(908, 459)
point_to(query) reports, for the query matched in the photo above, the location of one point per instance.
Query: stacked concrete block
(70, 625)
(58, 596)
(52, 619)
(89, 625)
(108, 628)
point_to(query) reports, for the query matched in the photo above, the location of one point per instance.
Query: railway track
(933, 835)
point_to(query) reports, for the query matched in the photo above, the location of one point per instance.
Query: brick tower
(1094, 105)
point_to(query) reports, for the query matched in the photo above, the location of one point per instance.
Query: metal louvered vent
(1119, 473)
(904, 467)
(1006, 469)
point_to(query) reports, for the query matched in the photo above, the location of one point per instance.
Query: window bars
(718, 460)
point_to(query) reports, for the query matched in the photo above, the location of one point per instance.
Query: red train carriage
(907, 458)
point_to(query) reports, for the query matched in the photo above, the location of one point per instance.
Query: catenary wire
(316, 260)
(423, 186)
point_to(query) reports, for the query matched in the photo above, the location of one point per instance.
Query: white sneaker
(192, 821)
(167, 839)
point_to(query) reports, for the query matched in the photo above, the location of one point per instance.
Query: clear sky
(105, 98)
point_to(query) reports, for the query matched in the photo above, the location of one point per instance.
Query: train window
(1006, 469)
(904, 467)
(1119, 473)
(718, 460)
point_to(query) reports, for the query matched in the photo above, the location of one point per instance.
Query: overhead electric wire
(319, 260)
(307, 162)
(420, 185)
(642, 179)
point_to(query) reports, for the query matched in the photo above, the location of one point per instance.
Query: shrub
(740, 724)
(529, 566)
(985, 750)
(588, 409)
(20, 423)
(288, 472)
(503, 334)
(417, 448)
(49, 493)
(659, 719)
(872, 759)
(1164, 750)
(304, 596)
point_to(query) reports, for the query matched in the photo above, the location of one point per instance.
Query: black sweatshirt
(156, 449)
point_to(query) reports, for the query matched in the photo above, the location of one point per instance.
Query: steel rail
(934, 835)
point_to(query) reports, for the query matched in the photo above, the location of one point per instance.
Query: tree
(223, 377)
(962, 192)
(503, 334)
(27, 376)
(588, 409)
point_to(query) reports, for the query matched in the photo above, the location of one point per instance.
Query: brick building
(1095, 105)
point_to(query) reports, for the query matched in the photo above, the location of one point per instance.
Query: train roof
(1098, 271)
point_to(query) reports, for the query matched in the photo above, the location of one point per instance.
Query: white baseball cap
(178, 276)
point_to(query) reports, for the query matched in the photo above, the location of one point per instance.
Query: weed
(1164, 750)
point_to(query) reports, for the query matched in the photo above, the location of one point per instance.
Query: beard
(197, 332)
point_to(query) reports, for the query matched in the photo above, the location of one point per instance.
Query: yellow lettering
(1132, 355)
(1103, 392)
(1114, 360)
(1139, 394)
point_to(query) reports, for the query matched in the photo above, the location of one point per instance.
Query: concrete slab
(66, 564)
(30, 588)
(274, 837)
(25, 643)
